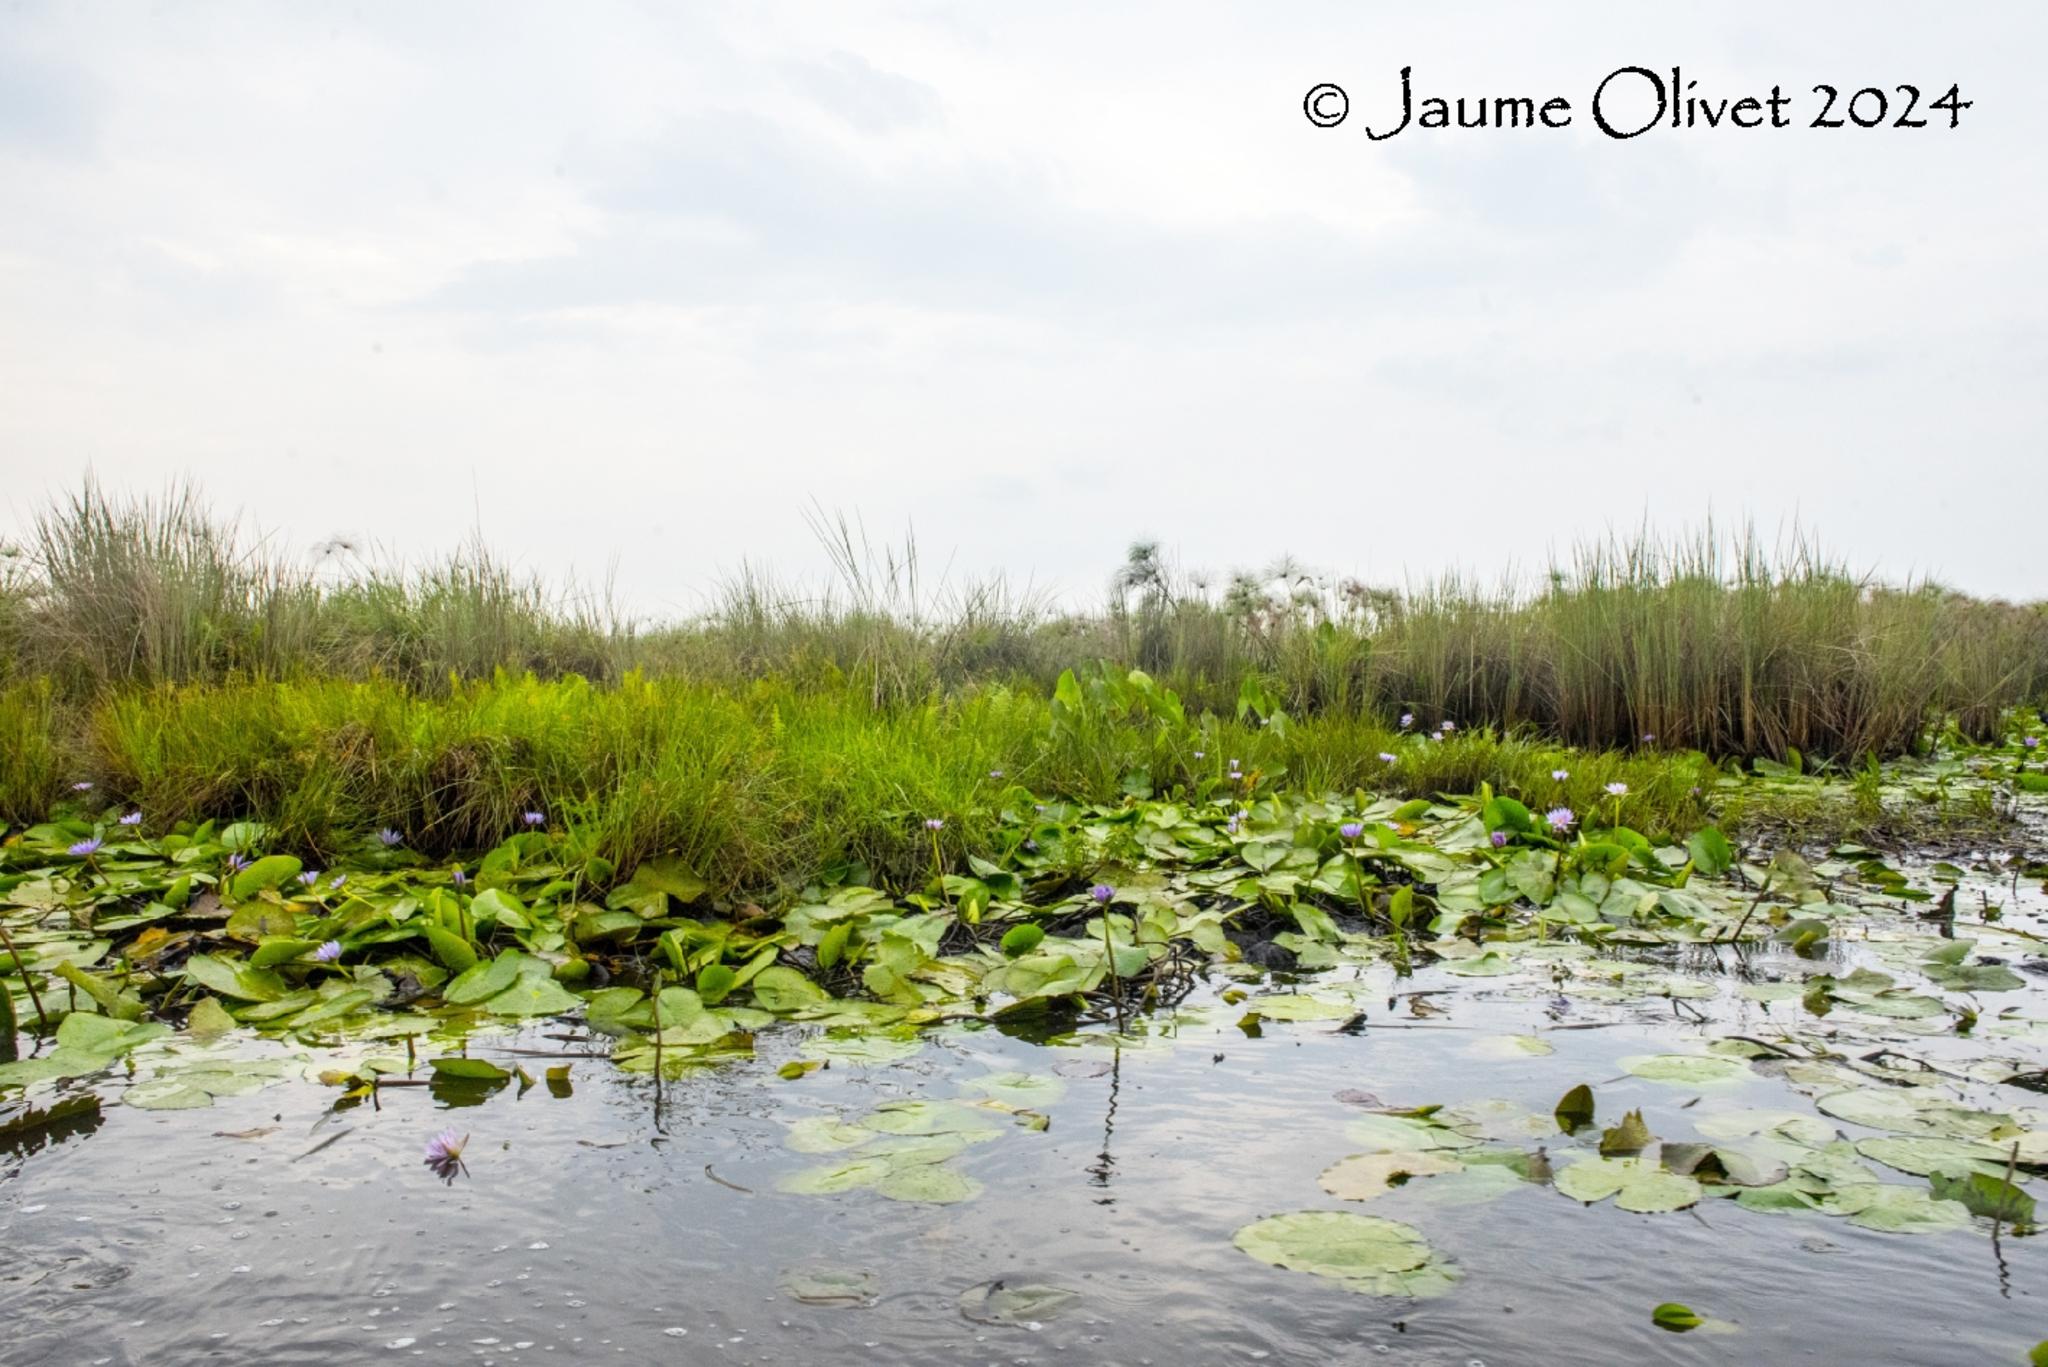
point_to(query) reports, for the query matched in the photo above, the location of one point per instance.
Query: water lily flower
(131, 819)
(237, 862)
(339, 879)
(1231, 825)
(1500, 839)
(1102, 892)
(81, 787)
(1617, 789)
(86, 848)
(388, 838)
(1560, 775)
(1032, 846)
(1201, 754)
(2032, 742)
(933, 823)
(309, 878)
(1233, 766)
(461, 879)
(995, 773)
(1649, 736)
(328, 952)
(444, 1154)
(1447, 726)
(1561, 819)
(1386, 758)
(1407, 720)
(1351, 830)
(535, 818)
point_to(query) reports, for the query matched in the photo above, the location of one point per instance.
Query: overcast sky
(635, 285)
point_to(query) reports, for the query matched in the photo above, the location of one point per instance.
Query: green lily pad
(1636, 1184)
(1335, 1244)
(1688, 1070)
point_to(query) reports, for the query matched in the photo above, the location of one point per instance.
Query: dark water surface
(588, 1231)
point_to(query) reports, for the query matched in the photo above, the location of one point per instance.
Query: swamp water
(1036, 1192)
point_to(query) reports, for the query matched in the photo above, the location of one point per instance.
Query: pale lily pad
(1338, 1244)
(1512, 1047)
(1003, 1302)
(1911, 1110)
(829, 1286)
(927, 1182)
(1404, 1133)
(832, 1178)
(1923, 1154)
(1489, 963)
(1363, 1176)
(1688, 1070)
(1636, 1184)
(1020, 1089)
(1893, 1209)
(1299, 1007)
(1792, 1126)
(864, 1048)
(825, 1134)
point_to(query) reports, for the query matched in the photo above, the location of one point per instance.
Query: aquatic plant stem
(35, 998)
(1116, 984)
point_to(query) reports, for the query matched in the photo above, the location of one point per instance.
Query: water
(587, 1229)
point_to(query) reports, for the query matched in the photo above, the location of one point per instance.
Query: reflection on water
(607, 1217)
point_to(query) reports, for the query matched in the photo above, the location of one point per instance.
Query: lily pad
(1337, 1244)
(1363, 1176)
(1004, 1302)
(1688, 1070)
(1636, 1184)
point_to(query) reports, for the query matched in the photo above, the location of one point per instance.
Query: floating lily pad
(1636, 1184)
(1335, 1244)
(1019, 1089)
(1688, 1070)
(1003, 1302)
(1363, 1176)
(829, 1286)
(1923, 1154)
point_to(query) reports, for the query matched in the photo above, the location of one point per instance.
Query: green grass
(756, 786)
(1704, 643)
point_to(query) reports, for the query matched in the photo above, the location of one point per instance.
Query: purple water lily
(329, 952)
(444, 1155)
(1102, 892)
(81, 787)
(1561, 819)
(1560, 775)
(339, 879)
(995, 773)
(1201, 754)
(1617, 789)
(1407, 720)
(309, 878)
(389, 838)
(1446, 726)
(131, 819)
(535, 818)
(1386, 758)
(1649, 737)
(2032, 742)
(237, 862)
(935, 823)
(85, 849)
(1351, 830)
(461, 879)
(1500, 839)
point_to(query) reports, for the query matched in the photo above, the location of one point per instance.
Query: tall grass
(1719, 645)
